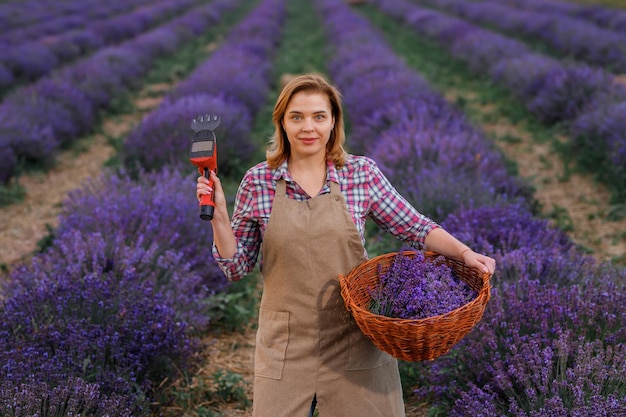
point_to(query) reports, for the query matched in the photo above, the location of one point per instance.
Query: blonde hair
(279, 149)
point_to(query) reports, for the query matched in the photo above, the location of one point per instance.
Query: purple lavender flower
(440, 163)
(42, 112)
(102, 322)
(482, 49)
(30, 61)
(527, 342)
(552, 381)
(599, 140)
(141, 211)
(519, 74)
(6, 77)
(566, 92)
(31, 142)
(71, 397)
(417, 288)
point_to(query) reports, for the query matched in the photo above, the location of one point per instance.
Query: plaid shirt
(367, 193)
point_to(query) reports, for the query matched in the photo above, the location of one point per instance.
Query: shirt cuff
(229, 266)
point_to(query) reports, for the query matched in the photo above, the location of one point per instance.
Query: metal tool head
(205, 122)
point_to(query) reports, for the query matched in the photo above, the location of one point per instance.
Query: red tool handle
(207, 202)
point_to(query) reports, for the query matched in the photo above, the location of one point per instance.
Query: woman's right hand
(223, 236)
(203, 187)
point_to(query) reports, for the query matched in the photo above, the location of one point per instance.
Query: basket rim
(480, 300)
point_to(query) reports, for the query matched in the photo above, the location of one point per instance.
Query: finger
(482, 266)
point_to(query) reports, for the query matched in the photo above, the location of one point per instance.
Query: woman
(305, 209)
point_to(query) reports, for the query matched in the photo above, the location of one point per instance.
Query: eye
(320, 117)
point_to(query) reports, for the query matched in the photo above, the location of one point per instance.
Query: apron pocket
(271, 344)
(362, 353)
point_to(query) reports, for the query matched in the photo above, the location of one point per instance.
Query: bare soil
(23, 225)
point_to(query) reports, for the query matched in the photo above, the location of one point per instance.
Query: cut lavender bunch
(414, 288)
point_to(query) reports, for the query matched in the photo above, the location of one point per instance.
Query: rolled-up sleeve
(247, 231)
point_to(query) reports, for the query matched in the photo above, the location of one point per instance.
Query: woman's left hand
(481, 262)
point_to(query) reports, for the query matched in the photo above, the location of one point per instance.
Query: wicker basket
(412, 340)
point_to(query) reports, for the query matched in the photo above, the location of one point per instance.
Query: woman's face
(308, 122)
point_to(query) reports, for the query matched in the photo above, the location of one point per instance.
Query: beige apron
(307, 343)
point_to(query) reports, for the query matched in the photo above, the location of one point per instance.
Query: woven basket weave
(420, 339)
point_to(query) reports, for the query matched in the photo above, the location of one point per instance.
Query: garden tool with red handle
(204, 155)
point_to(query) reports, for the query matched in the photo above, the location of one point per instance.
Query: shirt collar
(283, 172)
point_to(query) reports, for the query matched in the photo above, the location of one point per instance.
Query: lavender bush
(599, 140)
(75, 397)
(481, 49)
(30, 142)
(81, 253)
(416, 288)
(567, 92)
(152, 209)
(71, 110)
(550, 304)
(102, 322)
(522, 75)
(557, 381)
(605, 17)
(229, 73)
(519, 241)
(530, 355)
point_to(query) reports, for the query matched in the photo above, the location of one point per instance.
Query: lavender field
(113, 305)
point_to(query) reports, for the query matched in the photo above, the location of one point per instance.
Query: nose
(308, 125)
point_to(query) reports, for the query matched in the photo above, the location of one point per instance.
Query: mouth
(308, 141)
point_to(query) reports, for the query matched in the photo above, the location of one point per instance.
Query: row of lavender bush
(551, 341)
(28, 60)
(605, 17)
(37, 13)
(114, 306)
(36, 19)
(586, 100)
(37, 120)
(572, 37)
